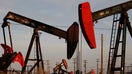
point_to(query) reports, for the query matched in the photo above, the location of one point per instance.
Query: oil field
(65, 37)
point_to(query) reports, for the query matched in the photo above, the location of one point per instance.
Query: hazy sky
(61, 14)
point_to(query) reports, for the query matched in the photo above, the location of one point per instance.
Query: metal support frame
(123, 23)
(35, 37)
(10, 36)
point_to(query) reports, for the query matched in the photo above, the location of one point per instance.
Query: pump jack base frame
(35, 37)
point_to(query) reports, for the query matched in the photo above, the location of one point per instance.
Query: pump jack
(72, 40)
(71, 36)
(58, 68)
(84, 18)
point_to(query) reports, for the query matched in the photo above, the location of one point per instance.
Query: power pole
(97, 66)
(74, 63)
(79, 55)
(85, 66)
(102, 54)
(48, 66)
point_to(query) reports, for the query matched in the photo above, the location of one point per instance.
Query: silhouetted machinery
(6, 60)
(9, 56)
(118, 34)
(71, 36)
(59, 70)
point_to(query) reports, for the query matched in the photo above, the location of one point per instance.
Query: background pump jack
(85, 19)
(71, 36)
(59, 70)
